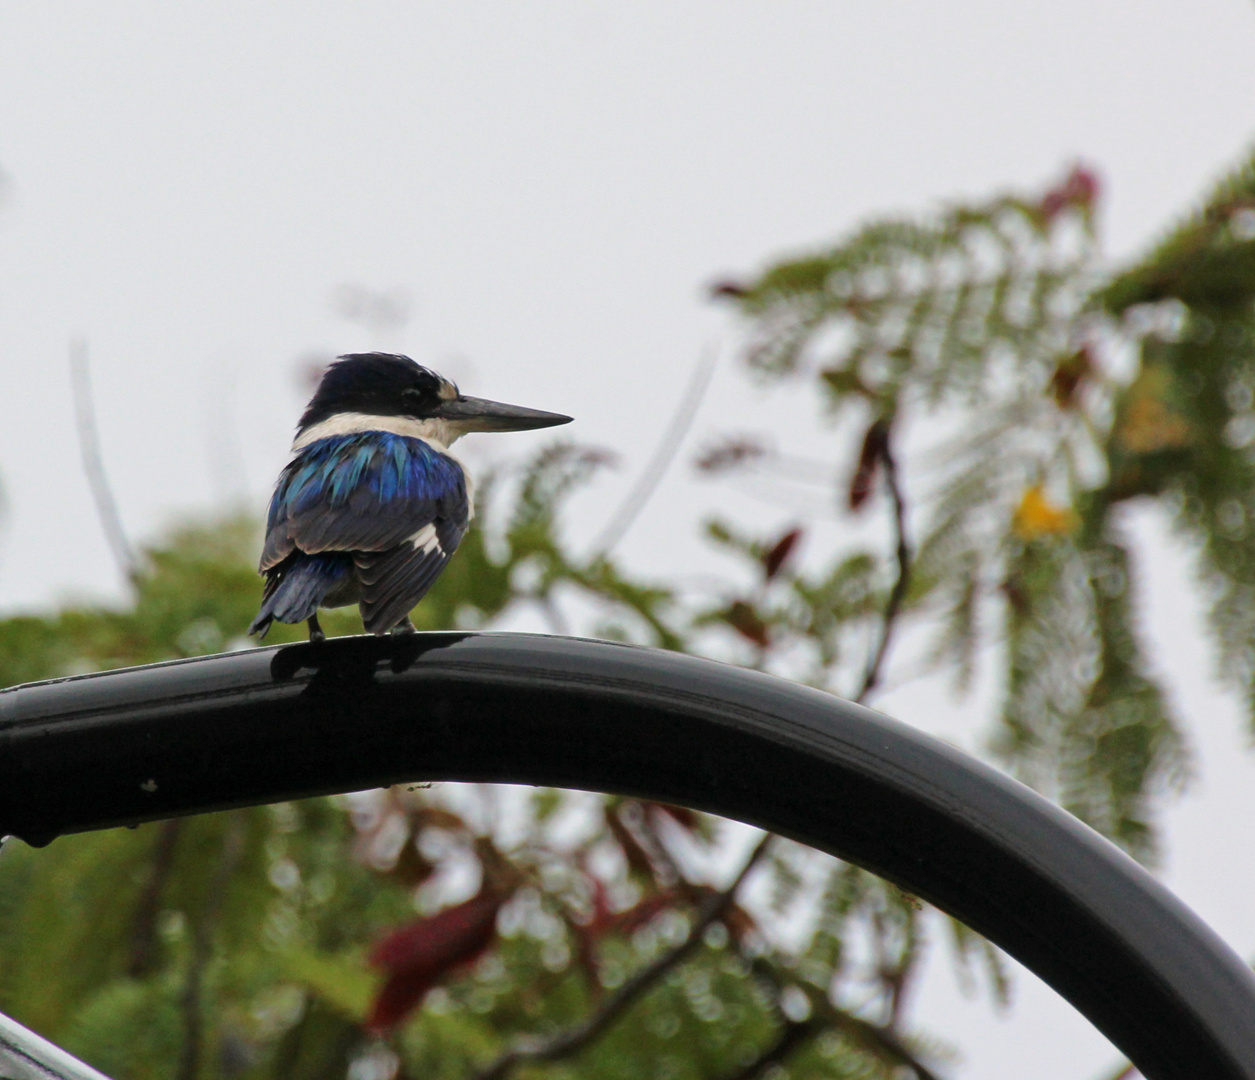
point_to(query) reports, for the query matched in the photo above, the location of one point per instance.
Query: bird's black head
(387, 384)
(378, 384)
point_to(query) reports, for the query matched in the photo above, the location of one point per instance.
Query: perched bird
(372, 504)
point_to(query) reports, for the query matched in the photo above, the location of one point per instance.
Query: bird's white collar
(439, 433)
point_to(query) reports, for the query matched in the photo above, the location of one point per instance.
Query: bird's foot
(315, 631)
(404, 627)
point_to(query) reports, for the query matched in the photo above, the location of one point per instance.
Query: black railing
(272, 724)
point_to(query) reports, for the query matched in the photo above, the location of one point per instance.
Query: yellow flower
(1037, 516)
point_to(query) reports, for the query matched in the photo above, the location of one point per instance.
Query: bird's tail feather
(299, 589)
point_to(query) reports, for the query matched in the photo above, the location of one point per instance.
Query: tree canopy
(1007, 391)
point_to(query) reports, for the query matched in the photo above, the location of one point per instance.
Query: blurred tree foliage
(1005, 393)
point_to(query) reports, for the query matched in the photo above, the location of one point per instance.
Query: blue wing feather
(363, 492)
(363, 496)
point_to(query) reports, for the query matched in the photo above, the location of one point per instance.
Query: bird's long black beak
(479, 414)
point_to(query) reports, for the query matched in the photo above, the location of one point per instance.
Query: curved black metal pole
(351, 713)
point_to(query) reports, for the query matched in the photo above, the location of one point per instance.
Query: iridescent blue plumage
(375, 467)
(387, 501)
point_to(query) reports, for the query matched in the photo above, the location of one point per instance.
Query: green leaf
(344, 982)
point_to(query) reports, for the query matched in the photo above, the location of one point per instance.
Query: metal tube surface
(26, 1056)
(283, 723)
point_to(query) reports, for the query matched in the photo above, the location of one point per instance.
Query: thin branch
(792, 1035)
(93, 463)
(571, 1041)
(881, 1040)
(897, 594)
(664, 454)
(192, 1051)
(142, 950)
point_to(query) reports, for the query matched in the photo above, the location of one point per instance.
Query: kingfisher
(372, 505)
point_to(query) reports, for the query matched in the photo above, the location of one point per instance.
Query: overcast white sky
(553, 185)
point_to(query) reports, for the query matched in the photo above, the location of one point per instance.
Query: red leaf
(439, 818)
(1070, 374)
(1017, 596)
(733, 289)
(421, 953)
(1079, 189)
(774, 559)
(412, 868)
(875, 442)
(731, 453)
(682, 815)
(742, 617)
(602, 916)
(740, 923)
